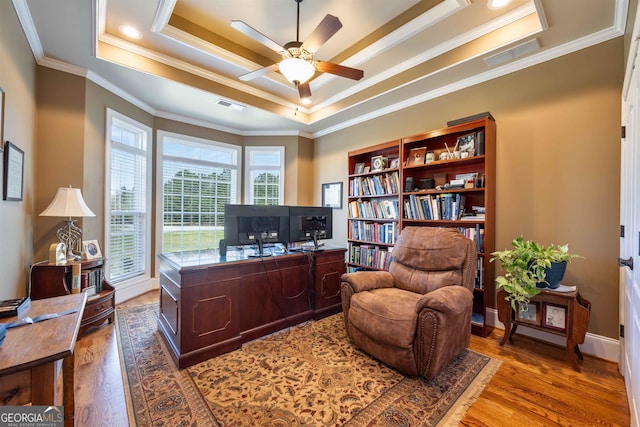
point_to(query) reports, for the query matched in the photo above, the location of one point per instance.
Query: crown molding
(29, 28)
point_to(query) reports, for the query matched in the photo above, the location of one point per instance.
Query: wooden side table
(31, 354)
(561, 313)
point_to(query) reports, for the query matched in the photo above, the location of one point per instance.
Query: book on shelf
(13, 307)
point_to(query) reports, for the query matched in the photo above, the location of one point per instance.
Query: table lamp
(68, 203)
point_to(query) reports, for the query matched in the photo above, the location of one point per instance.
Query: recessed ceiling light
(129, 31)
(497, 4)
(305, 101)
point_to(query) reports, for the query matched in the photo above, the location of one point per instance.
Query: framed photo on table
(554, 316)
(529, 313)
(91, 249)
(332, 195)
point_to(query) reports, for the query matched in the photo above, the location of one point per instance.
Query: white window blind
(198, 178)
(128, 212)
(264, 175)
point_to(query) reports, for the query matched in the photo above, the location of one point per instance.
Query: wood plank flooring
(535, 385)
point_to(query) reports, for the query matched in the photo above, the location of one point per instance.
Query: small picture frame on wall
(554, 316)
(1, 120)
(332, 195)
(13, 172)
(91, 249)
(529, 313)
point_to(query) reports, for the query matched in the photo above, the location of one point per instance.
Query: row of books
(476, 234)
(373, 231)
(90, 280)
(375, 185)
(370, 256)
(444, 206)
(479, 282)
(374, 209)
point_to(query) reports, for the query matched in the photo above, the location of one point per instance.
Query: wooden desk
(575, 318)
(30, 356)
(210, 305)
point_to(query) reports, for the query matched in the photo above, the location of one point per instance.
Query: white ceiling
(410, 50)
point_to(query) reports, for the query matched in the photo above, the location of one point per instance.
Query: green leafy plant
(524, 267)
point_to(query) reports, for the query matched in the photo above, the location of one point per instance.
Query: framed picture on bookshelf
(378, 163)
(91, 249)
(394, 163)
(358, 168)
(416, 156)
(529, 313)
(554, 316)
(467, 144)
(332, 195)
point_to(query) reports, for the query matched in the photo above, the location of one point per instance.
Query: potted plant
(528, 267)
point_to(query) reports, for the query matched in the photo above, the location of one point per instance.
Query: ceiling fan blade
(304, 90)
(323, 32)
(339, 70)
(259, 72)
(256, 35)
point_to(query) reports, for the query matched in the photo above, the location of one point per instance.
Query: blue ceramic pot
(553, 275)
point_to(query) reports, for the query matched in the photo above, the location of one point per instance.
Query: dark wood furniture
(414, 174)
(572, 323)
(31, 356)
(373, 198)
(211, 305)
(50, 280)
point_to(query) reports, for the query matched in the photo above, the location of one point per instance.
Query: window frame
(161, 135)
(147, 134)
(248, 187)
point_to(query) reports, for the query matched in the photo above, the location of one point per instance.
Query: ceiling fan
(297, 64)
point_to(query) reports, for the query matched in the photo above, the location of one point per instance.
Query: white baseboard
(594, 345)
(132, 289)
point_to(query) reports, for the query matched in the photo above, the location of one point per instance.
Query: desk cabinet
(50, 280)
(561, 313)
(210, 306)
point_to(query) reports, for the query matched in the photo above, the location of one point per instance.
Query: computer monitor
(310, 224)
(254, 224)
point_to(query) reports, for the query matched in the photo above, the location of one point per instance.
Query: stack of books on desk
(13, 307)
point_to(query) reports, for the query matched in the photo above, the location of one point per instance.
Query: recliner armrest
(449, 299)
(368, 280)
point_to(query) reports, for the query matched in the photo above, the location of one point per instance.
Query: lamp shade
(296, 69)
(68, 203)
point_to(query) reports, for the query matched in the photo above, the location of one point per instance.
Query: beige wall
(558, 156)
(17, 80)
(558, 161)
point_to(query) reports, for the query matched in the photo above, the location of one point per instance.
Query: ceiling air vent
(513, 53)
(229, 104)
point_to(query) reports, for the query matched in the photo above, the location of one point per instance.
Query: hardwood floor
(535, 385)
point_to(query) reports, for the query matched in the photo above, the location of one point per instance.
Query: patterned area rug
(307, 375)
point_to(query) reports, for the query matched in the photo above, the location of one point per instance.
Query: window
(128, 191)
(264, 179)
(198, 178)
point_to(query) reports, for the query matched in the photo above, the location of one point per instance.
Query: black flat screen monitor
(255, 225)
(310, 224)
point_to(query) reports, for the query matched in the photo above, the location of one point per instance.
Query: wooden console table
(210, 305)
(561, 313)
(30, 355)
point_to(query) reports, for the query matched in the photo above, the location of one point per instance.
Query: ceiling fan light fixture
(497, 4)
(296, 70)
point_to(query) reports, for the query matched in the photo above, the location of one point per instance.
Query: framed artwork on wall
(332, 195)
(13, 169)
(1, 120)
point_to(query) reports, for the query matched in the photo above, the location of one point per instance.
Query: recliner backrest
(428, 258)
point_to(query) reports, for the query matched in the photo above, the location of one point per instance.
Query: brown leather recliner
(416, 317)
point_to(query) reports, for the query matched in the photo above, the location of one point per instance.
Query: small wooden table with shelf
(50, 280)
(561, 313)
